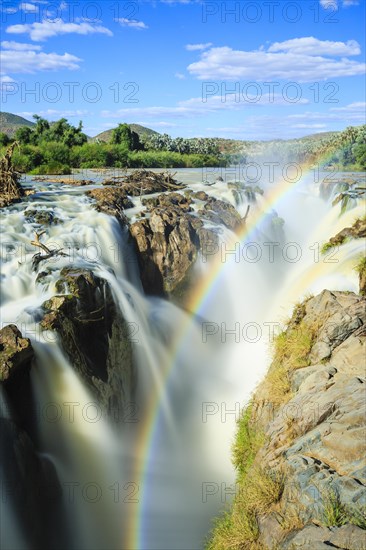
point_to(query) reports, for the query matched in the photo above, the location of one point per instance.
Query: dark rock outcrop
(170, 238)
(16, 357)
(93, 334)
(30, 484)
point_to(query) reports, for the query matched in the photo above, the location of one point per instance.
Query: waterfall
(120, 480)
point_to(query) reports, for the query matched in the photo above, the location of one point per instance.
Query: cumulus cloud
(312, 46)
(46, 29)
(180, 76)
(282, 60)
(19, 46)
(329, 3)
(334, 4)
(197, 47)
(28, 8)
(132, 23)
(15, 61)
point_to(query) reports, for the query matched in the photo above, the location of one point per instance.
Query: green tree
(4, 139)
(24, 135)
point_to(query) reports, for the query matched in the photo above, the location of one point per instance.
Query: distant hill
(9, 123)
(140, 130)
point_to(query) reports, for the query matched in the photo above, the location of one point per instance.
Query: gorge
(130, 353)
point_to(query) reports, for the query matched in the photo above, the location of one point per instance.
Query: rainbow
(202, 294)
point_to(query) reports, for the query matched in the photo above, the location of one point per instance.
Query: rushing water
(155, 479)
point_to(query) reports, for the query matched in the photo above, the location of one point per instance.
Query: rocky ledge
(170, 236)
(300, 447)
(94, 335)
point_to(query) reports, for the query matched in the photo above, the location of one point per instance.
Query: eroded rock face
(16, 354)
(167, 244)
(317, 436)
(29, 482)
(93, 334)
(170, 238)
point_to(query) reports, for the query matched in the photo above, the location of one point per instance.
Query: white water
(188, 474)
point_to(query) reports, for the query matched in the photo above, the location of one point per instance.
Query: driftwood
(10, 188)
(49, 253)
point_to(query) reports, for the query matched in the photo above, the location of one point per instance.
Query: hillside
(140, 130)
(9, 123)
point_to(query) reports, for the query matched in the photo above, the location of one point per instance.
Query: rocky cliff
(300, 446)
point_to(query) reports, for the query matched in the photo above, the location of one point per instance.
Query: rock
(349, 537)
(167, 245)
(145, 182)
(111, 200)
(200, 195)
(356, 231)
(30, 486)
(42, 217)
(312, 537)
(221, 212)
(93, 334)
(29, 483)
(317, 435)
(169, 239)
(16, 354)
(170, 199)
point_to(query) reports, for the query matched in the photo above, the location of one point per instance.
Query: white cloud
(356, 107)
(28, 8)
(224, 63)
(46, 29)
(197, 47)
(197, 107)
(5, 79)
(180, 76)
(334, 4)
(310, 126)
(312, 46)
(329, 3)
(18, 46)
(132, 23)
(53, 113)
(30, 62)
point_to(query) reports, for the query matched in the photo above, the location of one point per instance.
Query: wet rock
(356, 231)
(30, 487)
(145, 182)
(170, 199)
(170, 238)
(111, 200)
(94, 334)
(221, 212)
(42, 217)
(167, 244)
(16, 354)
(29, 482)
(200, 195)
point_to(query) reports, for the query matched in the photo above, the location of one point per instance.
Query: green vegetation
(336, 513)
(326, 247)
(56, 148)
(291, 352)
(258, 491)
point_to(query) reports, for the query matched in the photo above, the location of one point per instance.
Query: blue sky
(243, 70)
